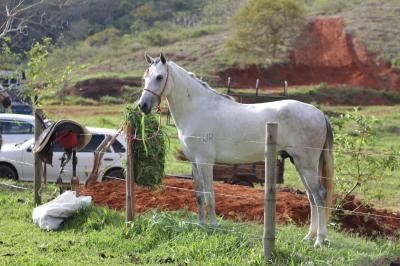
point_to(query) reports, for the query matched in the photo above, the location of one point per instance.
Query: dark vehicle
(22, 108)
(13, 82)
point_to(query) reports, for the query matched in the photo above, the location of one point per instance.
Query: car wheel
(8, 172)
(114, 174)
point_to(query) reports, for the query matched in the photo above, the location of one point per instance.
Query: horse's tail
(326, 169)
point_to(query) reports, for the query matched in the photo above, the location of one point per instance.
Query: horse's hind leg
(316, 194)
(312, 231)
(199, 187)
(206, 173)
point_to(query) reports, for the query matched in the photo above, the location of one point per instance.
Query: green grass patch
(98, 236)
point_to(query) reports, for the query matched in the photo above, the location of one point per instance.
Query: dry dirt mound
(324, 53)
(97, 87)
(248, 206)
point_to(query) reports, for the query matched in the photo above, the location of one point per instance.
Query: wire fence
(207, 138)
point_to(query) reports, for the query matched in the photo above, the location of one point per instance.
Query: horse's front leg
(199, 187)
(206, 173)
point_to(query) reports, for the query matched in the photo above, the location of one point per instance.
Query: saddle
(70, 134)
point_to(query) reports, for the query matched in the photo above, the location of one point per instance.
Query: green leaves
(266, 27)
(356, 163)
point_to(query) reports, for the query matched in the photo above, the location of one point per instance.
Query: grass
(98, 236)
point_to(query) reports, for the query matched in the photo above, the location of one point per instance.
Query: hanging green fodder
(149, 148)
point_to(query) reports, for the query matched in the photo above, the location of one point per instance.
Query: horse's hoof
(214, 223)
(320, 242)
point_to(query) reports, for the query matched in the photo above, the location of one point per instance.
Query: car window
(15, 127)
(118, 147)
(93, 144)
(21, 109)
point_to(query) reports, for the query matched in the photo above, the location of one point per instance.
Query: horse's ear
(148, 58)
(162, 58)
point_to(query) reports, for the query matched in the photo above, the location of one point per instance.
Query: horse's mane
(204, 84)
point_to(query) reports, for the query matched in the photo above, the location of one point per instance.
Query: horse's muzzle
(146, 108)
(6, 102)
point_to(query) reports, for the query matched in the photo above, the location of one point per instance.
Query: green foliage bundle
(149, 153)
(357, 166)
(266, 28)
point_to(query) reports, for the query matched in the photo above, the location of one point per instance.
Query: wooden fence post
(285, 88)
(257, 86)
(130, 196)
(270, 189)
(229, 85)
(37, 199)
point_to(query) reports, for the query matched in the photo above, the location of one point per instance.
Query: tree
(29, 21)
(14, 16)
(266, 28)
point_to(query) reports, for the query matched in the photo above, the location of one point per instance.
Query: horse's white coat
(214, 129)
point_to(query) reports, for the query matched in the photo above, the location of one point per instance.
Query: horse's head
(5, 98)
(155, 83)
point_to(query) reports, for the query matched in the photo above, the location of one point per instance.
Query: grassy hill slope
(374, 22)
(201, 49)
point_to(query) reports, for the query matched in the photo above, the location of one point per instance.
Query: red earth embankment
(325, 53)
(97, 87)
(291, 206)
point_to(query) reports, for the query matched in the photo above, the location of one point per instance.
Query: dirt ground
(246, 204)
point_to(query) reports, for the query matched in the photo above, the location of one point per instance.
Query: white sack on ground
(49, 216)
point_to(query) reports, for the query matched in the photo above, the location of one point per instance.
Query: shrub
(103, 37)
(111, 100)
(68, 100)
(156, 37)
(355, 164)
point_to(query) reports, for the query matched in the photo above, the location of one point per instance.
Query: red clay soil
(291, 206)
(97, 87)
(324, 52)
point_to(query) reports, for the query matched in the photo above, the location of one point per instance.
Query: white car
(16, 128)
(16, 160)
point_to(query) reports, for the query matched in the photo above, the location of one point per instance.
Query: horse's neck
(187, 96)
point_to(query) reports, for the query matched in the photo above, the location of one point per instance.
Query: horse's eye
(159, 77)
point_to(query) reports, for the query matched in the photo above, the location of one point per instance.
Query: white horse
(213, 128)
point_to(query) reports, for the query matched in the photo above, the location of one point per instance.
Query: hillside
(375, 23)
(201, 49)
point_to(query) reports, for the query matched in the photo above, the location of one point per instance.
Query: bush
(132, 94)
(149, 153)
(68, 100)
(111, 100)
(156, 37)
(103, 37)
(355, 164)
